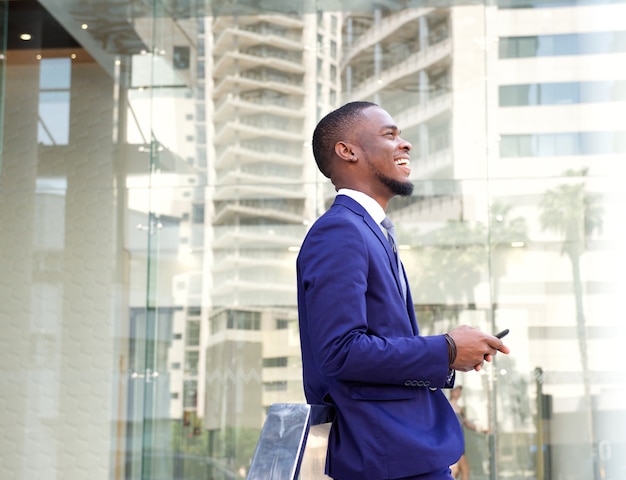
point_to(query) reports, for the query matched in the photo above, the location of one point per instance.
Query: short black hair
(333, 128)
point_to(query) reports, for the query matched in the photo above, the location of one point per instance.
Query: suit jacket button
(432, 389)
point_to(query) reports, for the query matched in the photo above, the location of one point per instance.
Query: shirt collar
(370, 205)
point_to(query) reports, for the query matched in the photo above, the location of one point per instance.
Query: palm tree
(575, 214)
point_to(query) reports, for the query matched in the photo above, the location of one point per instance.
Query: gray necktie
(391, 236)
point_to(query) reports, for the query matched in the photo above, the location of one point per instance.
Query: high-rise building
(156, 180)
(503, 99)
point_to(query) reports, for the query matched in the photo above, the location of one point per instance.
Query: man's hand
(474, 347)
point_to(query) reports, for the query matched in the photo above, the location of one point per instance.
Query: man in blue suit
(361, 349)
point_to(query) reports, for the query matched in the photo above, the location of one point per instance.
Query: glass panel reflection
(157, 180)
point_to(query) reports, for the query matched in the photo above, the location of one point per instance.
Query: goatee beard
(404, 189)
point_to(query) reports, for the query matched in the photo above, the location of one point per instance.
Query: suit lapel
(394, 267)
(358, 209)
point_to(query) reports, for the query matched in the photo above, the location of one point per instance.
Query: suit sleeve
(357, 326)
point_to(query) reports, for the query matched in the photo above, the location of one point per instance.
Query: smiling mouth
(402, 162)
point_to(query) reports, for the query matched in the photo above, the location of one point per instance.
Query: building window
(192, 359)
(216, 324)
(198, 213)
(190, 393)
(54, 101)
(243, 320)
(506, 4)
(594, 43)
(439, 135)
(275, 362)
(275, 386)
(559, 144)
(193, 333)
(562, 93)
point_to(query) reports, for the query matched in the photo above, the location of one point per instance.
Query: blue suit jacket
(362, 353)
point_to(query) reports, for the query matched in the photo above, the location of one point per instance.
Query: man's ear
(345, 151)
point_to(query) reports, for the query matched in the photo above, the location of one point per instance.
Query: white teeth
(402, 161)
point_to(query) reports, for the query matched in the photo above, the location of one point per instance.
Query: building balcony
(256, 189)
(436, 165)
(241, 60)
(223, 270)
(378, 32)
(228, 213)
(238, 154)
(237, 176)
(410, 66)
(241, 292)
(419, 113)
(257, 34)
(257, 81)
(286, 21)
(237, 130)
(232, 105)
(257, 236)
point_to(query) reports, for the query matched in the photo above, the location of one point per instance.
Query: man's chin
(405, 189)
(402, 188)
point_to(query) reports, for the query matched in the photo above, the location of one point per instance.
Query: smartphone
(502, 334)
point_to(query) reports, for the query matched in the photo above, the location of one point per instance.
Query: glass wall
(156, 181)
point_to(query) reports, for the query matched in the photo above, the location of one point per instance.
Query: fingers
(504, 349)
(497, 344)
(492, 353)
(474, 348)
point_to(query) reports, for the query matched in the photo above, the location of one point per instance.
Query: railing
(293, 443)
